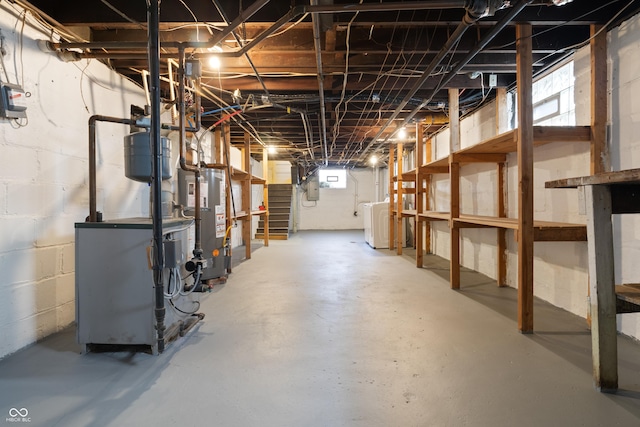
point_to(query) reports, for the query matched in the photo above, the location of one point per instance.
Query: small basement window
(333, 178)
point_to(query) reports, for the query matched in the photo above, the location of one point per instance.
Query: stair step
(274, 236)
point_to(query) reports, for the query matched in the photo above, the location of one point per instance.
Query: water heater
(213, 215)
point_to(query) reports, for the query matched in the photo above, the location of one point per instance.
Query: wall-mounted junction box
(313, 188)
(12, 101)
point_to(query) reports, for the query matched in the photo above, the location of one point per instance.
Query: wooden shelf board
(629, 176)
(435, 216)
(543, 231)
(241, 214)
(257, 180)
(506, 142)
(628, 298)
(409, 175)
(487, 221)
(436, 166)
(259, 212)
(409, 213)
(238, 174)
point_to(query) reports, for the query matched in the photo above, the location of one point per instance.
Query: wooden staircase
(279, 213)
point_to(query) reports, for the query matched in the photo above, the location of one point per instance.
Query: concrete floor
(322, 330)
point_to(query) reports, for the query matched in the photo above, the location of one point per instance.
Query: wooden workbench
(606, 194)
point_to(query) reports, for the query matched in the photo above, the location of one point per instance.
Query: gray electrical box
(313, 188)
(12, 101)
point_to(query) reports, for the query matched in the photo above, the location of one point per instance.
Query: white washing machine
(376, 224)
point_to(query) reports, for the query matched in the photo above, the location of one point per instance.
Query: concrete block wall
(44, 179)
(335, 209)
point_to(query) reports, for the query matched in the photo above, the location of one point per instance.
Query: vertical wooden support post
(399, 201)
(419, 197)
(604, 345)
(524, 64)
(454, 271)
(427, 196)
(392, 193)
(501, 247)
(454, 120)
(247, 220)
(454, 181)
(502, 119)
(599, 102)
(226, 156)
(265, 193)
(217, 149)
(502, 113)
(599, 109)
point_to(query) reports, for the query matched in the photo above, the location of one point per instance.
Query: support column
(524, 65)
(454, 181)
(454, 272)
(226, 141)
(247, 220)
(599, 111)
(419, 198)
(392, 191)
(604, 345)
(265, 192)
(502, 121)
(399, 201)
(427, 196)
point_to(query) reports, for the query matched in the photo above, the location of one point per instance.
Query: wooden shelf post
(246, 195)
(524, 65)
(265, 193)
(399, 200)
(502, 119)
(419, 197)
(392, 223)
(454, 177)
(599, 111)
(225, 155)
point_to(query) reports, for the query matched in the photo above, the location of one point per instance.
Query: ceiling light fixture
(214, 62)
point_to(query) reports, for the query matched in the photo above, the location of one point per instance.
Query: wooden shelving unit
(521, 142)
(246, 180)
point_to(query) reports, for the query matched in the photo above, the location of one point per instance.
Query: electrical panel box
(12, 101)
(193, 68)
(313, 188)
(173, 255)
(493, 80)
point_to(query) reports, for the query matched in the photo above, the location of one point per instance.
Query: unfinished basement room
(366, 213)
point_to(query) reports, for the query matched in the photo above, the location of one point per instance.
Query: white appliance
(376, 224)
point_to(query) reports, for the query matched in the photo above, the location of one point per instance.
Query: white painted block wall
(44, 180)
(336, 207)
